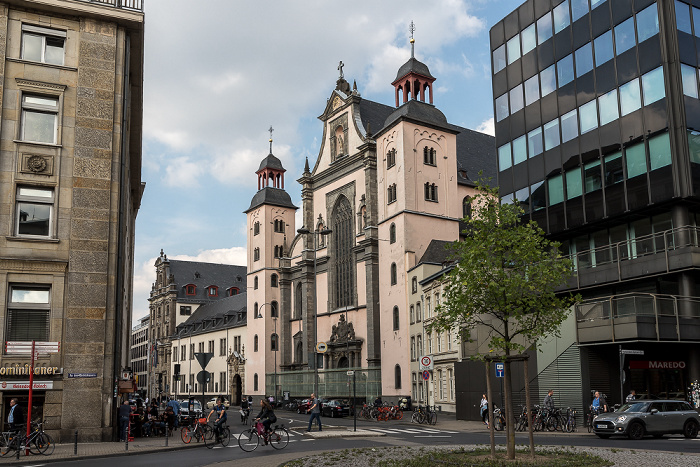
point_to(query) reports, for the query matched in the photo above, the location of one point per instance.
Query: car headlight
(621, 419)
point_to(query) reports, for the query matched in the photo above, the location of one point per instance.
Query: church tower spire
(271, 171)
(413, 78)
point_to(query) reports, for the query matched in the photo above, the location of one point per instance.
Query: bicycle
(38, 442)
(249, 440)
(499, 420)
(201, 431)
(223, 437)
(592, 414)
(570, 425)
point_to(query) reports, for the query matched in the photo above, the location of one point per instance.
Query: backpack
(273, 418)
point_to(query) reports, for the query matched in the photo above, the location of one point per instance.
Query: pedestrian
(549, 401)
(315, 411)
(15, 418)
(124, 413)
(175, 406)
(484, 410)
(631, 396)
(599, 404)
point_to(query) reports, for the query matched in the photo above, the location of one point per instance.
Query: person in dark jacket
(124, 413)
(267, 415)
(15, 417)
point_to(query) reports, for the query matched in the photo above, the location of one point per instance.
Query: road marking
(296, 432)
(432, 436)
(383, 430)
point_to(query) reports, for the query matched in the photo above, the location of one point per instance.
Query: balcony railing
(616, 254)
(136, 5)
(638, 315)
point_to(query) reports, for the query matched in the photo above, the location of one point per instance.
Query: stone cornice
(33, 265)
(25, 83)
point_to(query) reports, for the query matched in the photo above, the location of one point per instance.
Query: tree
(504, 282)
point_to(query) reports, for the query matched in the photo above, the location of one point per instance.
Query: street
(447, 432)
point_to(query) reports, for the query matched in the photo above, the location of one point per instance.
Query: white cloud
(236, 255)
(183, 172)
(487, 126)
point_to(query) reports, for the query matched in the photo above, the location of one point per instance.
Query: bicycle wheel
(9, 447)
(279, 438)
(415, 418)
(589, 423)
(225, 436)
(186, 434)
(399, 414)
(207, 433)
(433, 418)
(248, 440)
(44, 444)
(498, 424)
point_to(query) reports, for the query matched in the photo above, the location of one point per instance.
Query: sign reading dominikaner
(657, 365)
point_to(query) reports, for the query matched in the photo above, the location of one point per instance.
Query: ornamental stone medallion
(35, 164)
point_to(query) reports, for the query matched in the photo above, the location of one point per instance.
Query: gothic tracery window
(343, 264)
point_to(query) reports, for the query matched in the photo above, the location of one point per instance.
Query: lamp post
(274, 318)
(316, 233)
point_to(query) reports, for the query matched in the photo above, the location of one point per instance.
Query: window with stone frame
(256, 254)
(255, 380)
(185, 310)
(431, 192)
(211, 347)
(297, 301)
(392, 233)
(397, 377)
(428, 156)
(34, 212)
(391, 193)
(395, 315)
(412, 314)
(393, 274)
(413, 348)
(255, 343)
(273, 342)
(419, 345)
(273, 280)
(175, 354)
(391, 158)
(343, 257)
(274, 309)
(256, 228)
(419, 313)
(39, 123)
(279, 225)
(414, 284)
(183, 353)
(43, 44)
(255, 283)
(28, 312)
(191, 351)
(299, 352)
(255, 310)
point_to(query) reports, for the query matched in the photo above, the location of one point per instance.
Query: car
(335, 408)
(304, 405)
(185, 409)
(654, 417)
(212, 402)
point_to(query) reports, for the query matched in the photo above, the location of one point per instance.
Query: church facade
(387, 182)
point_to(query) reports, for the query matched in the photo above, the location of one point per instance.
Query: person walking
(484, 410)
(549, 401)
(315, 411)
(124, 413)
(15, 418)
(631, 396)
(175, 405)
(599, 404)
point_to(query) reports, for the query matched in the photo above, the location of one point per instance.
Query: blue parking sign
(499, 370)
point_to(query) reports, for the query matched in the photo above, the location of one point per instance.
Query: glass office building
(598, 137)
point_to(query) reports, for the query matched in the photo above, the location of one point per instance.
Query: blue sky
(219, 73)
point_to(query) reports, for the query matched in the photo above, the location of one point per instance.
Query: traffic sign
(426, 375)
(321, 347)
(351, 372)
(203, 358)
(499, 370)
(426, 362)
(203, 377)
(23, 347)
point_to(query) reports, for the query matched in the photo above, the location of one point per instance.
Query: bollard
(126, 442)
(75, 445)
(167, 433)
(18, 445)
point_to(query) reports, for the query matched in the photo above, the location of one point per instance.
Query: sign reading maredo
(656, 365)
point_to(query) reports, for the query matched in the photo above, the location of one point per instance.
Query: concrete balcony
(661, 253)
(638, 316)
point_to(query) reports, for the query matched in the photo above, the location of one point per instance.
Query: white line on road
(432, 436)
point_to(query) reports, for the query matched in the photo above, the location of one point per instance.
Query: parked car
(212, 402)
(185, 409)
(657, 418)
(335, 408)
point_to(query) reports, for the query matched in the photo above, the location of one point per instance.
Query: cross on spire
(271, 130)
(411, 29)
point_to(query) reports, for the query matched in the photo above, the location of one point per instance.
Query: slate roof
(421, 112)
(374, 114)
(271, 162)
(226, 313)
(273, 196)
(202, 275)
(436, 253)
(413, 65)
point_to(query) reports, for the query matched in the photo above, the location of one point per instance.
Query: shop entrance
(662, 379)
(23, 399)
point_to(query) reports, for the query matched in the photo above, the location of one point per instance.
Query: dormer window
(231, 291)
(213, 291)
(190, 289)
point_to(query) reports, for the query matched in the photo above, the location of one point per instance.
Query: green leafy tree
(504, 282)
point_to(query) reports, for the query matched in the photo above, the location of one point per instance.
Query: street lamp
(324, 232)
(277, 341)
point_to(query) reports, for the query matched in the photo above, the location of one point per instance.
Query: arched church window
(392, 233)
(397, 377)
(299, 353)
(273, 343)
(393, 274)
(273, 280)
(255, 344)
(343, 258)
(255, 283)
(396, 318)
(274, 309)
(297, 301)
(467, 207)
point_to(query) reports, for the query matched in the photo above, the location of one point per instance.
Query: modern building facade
(597, 119)
(139, 354)
(181, 287)
(70, 178)
(388, 181)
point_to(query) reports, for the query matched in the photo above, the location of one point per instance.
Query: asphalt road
(397, 433)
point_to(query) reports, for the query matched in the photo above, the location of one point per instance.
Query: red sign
(656, 365)
(14, 385)
(426, 375)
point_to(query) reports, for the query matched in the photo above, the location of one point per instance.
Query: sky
(219, 73)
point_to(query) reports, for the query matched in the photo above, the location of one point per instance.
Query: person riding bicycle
(267, 415)
(599, 404)
(221, 417)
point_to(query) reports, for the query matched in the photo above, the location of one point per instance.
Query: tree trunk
(527, 407)
(489, 408)
(510, 429)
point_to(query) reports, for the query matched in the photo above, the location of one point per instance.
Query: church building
(388, 180)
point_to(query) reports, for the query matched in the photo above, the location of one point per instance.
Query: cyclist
(267, 415)
(599, 404)
(220, 419)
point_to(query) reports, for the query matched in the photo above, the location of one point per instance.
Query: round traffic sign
(321, 347)
(426, 375)
(426, 360)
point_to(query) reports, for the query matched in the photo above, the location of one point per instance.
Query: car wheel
(602, 436)
(635, 431)
(690, 430)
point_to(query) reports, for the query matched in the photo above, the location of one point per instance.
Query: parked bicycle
(38, 442)
(570, 423)
(200, 431)
(425, 415)
(249, 440)
(499, 419)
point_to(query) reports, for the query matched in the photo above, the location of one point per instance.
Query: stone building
(181, 287)
(70, 178)
(388, 181)
(139, 354)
